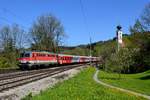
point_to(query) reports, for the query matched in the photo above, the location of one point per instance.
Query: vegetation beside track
(136, 82)
(81, 87)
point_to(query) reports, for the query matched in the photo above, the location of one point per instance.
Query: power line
(10, 22)
(8, 11)
(86, 26)
(13, 14)
(84, 15)
(84, 18)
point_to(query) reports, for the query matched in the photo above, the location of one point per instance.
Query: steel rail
(24, 79)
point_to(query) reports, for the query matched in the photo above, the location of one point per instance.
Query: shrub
(122, 60)
(4, 63)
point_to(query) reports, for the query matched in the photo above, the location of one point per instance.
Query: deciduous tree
(47, 33)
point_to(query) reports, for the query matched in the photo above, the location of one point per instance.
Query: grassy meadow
(81, 87)
(136, 82)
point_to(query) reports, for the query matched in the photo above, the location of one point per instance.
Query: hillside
(134, 55)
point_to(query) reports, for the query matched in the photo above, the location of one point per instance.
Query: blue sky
(102, 16)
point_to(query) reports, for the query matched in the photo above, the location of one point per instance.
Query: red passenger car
(35, 59)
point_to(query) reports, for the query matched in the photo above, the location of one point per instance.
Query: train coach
(32, 59)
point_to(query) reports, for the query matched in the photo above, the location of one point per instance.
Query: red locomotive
(35, 59)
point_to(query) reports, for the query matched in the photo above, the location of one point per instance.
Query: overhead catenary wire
(84, 16)
(86, 24)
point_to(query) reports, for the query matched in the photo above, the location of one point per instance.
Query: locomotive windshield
(25, 54)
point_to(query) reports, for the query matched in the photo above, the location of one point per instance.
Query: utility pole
(119, 37)
(90, 50)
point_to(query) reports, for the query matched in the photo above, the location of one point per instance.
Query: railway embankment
(35, 87)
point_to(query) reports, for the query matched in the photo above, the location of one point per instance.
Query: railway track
(4, 71)
(15, 79)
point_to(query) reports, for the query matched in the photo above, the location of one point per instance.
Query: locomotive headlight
(23, 61)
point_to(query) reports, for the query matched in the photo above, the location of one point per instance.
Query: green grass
(136, 82)
(82, 87)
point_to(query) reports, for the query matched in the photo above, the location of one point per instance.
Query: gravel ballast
(37, 86)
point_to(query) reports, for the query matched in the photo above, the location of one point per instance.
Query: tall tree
(11, 39)
(145, 17)
(47, 33)
(143, 23)
(19, 36)
(6, 38)
(13, 35)
(137, 27)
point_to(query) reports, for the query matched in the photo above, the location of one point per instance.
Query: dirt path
(95, 77)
